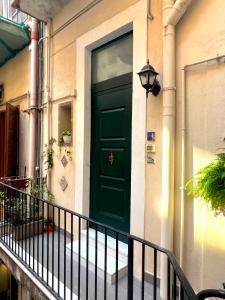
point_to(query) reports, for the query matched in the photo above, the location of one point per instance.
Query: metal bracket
(28, 110)
(172, 88)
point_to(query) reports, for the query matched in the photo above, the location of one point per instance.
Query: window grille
(7, 11)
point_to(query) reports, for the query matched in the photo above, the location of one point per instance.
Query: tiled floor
(62, 263)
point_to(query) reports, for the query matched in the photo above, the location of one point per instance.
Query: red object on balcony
(49, 228)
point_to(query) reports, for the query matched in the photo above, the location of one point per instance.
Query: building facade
(93, 51)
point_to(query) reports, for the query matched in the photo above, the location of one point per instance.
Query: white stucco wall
(201, 36)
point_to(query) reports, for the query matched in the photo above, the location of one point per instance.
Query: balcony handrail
(209, 293)
(46, 206)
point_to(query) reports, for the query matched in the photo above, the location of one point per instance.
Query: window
(113, 59)
(65, 123)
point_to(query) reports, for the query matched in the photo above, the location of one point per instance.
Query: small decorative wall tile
(63, 183)
(64, 161)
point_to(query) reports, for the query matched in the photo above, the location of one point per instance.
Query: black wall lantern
(148, 79)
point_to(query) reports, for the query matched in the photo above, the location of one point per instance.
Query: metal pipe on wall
(33, 97)
(172, 12)
(48, 89)
(40, 96)
(183, 165)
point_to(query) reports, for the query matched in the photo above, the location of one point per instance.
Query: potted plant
(65, 138)
(49, 225)
(42, 191)
(25, 215)
(48, 153)
(209, 184)
(18, 183)
(23, 218)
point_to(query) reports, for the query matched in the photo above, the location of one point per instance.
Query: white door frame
(133, 18)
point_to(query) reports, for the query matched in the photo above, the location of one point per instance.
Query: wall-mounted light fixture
(148, 79)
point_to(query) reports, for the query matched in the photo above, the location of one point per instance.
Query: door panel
(11, 141)
(111, 151)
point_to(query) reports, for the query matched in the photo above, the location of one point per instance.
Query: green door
(111, 151)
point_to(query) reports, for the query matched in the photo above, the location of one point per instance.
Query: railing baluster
(130, 268)
(23, 224)
(47, 244)
(12, 218)
(87, 261)
(174, 285)
(4, 220)
(64, 248)
(71, 254)
(38, 234)
(29, 236)
(143, 273)
(181, 292)
(155, 275)
(96, 261)
(24, 197)
(116, 283)
(53, 245)
(34, 231)
(58, 250)
(168, 279)
(105, 267)
(42, 241)
(15, 211)
(79, 251)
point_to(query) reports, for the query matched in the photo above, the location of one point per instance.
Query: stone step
(111, 255)
(111, 244)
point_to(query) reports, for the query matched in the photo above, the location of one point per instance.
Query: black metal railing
(74, 255)
(211, 293)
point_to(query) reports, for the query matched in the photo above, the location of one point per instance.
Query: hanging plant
(64, 138)
(209, 184)
(40, 190)
(2, 195)
(48, 153)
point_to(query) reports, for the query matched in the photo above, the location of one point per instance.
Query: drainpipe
(183, 165)
(33, 97)
(48, 90)
(171, 15)
(177, 11)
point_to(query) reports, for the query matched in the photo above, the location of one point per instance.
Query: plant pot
(27, 230)
(49, 228)
(20, 184)
(67, 139)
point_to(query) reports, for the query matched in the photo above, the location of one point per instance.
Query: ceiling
(40, 9)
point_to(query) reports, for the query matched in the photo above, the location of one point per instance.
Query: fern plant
(209, 184)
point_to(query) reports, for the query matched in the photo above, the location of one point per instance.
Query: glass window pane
(113, 60)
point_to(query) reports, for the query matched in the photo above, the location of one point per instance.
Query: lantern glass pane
(151, 78)
(144, 78)
(113, 59)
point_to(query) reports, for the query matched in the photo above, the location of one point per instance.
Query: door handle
(111, 158)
